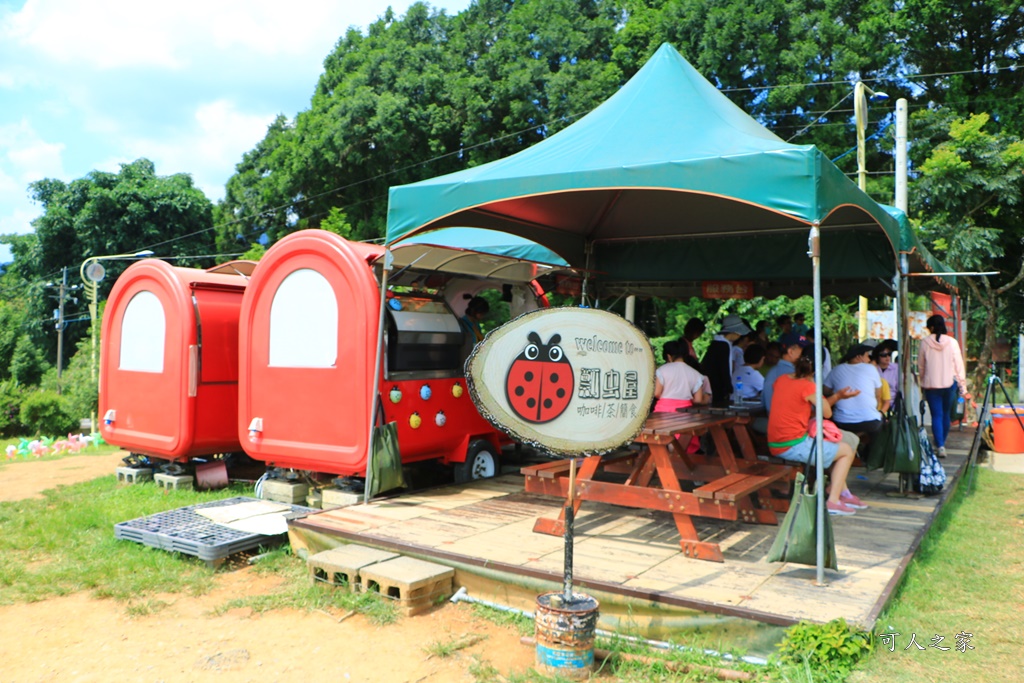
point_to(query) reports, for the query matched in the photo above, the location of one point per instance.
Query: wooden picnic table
(734, 486)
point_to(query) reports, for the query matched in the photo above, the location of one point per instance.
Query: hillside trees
(967, 202)
(101, 214)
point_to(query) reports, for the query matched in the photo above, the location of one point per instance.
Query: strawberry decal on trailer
(540, 382)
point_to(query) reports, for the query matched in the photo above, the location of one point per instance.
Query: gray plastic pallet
(185, 531)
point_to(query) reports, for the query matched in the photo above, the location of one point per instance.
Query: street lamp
(92, 272)
(861, 93)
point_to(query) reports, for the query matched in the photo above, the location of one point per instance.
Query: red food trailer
(308, 333)
(169, 360)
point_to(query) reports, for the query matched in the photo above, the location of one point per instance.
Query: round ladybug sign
(568, 380)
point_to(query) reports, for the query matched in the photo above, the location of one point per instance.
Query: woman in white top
(676, 384)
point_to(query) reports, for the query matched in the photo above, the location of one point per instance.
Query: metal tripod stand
(983, 412)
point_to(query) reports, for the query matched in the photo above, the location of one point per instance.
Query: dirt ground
(81, 639)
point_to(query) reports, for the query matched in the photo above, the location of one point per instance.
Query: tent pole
(814, 251)
(903, 264)
(377, 362)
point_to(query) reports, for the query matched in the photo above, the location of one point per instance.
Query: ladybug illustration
(540, 382)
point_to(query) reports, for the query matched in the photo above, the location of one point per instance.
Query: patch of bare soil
(83, 639)
(29, 478)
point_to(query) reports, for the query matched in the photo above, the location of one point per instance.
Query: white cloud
(209, 149)
(128, 33)
(24, 158)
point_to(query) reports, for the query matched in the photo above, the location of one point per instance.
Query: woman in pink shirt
(940, 366)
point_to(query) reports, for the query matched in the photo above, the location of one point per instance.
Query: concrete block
(173, 481)
(314, 499)
(281, 491)
(342, 566)
(414, 584)
(133, 475)
(337, 498)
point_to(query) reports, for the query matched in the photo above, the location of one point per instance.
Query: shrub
(44, 412)
(11, 396)
(831, 647)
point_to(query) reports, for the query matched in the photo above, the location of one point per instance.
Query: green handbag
(797, 540)
(905, 457)
(883, 445)
(386, 467)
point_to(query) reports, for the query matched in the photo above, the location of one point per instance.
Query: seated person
(793, 346)
(676, 384)
(890, 372)
(749, 374)
(788, 438)
(772, 355)
(859, 415)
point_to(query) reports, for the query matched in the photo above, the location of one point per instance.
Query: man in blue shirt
(792, 346)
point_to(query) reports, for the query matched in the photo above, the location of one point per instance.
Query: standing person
(788, 438)
(693, 329)
(940, 365)
(717, 362)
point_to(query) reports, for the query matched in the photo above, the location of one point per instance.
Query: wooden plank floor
(636, 553)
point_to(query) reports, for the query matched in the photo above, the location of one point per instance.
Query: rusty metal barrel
(565, 635)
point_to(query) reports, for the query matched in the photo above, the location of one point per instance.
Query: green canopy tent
(668, 184)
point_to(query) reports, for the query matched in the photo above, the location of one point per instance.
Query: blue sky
(190, 84)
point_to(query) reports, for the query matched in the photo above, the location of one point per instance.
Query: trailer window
(304, 322)
(142, 334)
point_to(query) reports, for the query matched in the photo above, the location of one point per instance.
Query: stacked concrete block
(343, 566)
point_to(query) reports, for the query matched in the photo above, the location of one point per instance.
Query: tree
(967, 204)
(107, 213)
(968, 51)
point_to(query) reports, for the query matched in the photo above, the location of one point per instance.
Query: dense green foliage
(45, 413)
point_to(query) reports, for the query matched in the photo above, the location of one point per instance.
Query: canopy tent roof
(668, 184)
(921, 262)
(487, 254)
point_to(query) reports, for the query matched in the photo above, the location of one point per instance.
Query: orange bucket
(1006, 431)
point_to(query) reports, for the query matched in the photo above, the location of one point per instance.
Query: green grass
(298, 592)
(64, 543)
(966, 578)
(105, 449)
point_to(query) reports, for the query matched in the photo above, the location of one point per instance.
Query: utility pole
(60, 324)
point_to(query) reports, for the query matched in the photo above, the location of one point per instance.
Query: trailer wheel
(481, 463)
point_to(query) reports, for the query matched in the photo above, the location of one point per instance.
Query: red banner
(727, 289)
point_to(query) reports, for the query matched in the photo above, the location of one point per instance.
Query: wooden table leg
(723, 449)
(556, 527)
(688, 540)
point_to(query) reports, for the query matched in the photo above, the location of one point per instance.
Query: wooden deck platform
(632, 558)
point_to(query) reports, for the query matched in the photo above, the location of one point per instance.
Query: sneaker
(851, 500)
(839, 509)
(941, 452)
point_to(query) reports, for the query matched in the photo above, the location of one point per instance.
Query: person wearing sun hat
(717, 363)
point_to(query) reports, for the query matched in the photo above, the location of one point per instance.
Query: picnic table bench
(730, 487)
